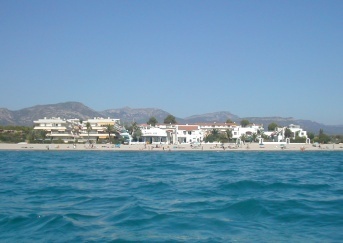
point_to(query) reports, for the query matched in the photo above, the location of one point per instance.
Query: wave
(154, 197)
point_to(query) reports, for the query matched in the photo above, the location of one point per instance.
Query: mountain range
(26, 116)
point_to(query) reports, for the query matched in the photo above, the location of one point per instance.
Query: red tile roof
(188, 128)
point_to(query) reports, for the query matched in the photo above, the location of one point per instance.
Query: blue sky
(251, 58)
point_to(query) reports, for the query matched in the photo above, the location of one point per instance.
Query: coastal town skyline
(252, 59)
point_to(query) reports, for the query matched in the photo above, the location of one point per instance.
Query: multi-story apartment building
(73, 129)
(57, 128)
(98, 128)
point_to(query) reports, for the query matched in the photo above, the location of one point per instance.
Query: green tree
(213, 136)
(15, 134)
(229, 121)
(288, 133)
(310, 135)
(31, 136)
(254, 137)
(272, 126)
(215, 132)
(110, 130)
(321, 132)
(222, 138)
(137, 134)
(152, 121)
(42, 135)
(245, 123)
(89, 129)
(299, 139)
(135, 131)
(322, 137)
(170, 119)
(228, 134)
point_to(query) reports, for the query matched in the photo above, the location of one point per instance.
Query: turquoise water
(171, 196)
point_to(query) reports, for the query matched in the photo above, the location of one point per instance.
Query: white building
(171, 134)
(195, 133)
(188, 134)
(248, 131)
(72, 130)
(296, 130)
(220, 126)
(154, 135)
(279, 134)
(98, 128)
(55, 128)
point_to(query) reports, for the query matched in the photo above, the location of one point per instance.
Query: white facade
(154, 135)
(172, 134)
(54, 127)
(295, 129)
(221, 127)
(279, 134)
(239, 131)
(177, 134)
(188, 134)
(72, 129)
(99, 128)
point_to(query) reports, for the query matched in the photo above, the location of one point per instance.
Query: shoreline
(228, 147)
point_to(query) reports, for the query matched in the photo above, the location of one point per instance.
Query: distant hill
(221, 116)
(78, 110)
(139, 115)
(26, 116)
(307, 125)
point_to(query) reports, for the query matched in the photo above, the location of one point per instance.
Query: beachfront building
(171, 134)
(279, 134)
(58, 128)
(297, 131)
(98, 128)
(193, 133)
(222, 127)
(188, 134)
(72, 130)
(248, 132)
(154, 135)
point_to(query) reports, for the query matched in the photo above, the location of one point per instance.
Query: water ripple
(174, 197)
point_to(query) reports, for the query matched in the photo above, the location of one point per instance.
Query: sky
(251, 58)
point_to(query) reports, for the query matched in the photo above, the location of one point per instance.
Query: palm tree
(288, 133)
(215, 132)
(254, 137)
(136, 131)
(109, 129)
(243, 137)
(43, 134)
(229, 134)
(89, 128)
(134, 127)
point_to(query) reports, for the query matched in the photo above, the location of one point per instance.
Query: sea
(106, 196)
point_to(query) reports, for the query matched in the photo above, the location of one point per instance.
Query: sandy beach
(181, 147)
